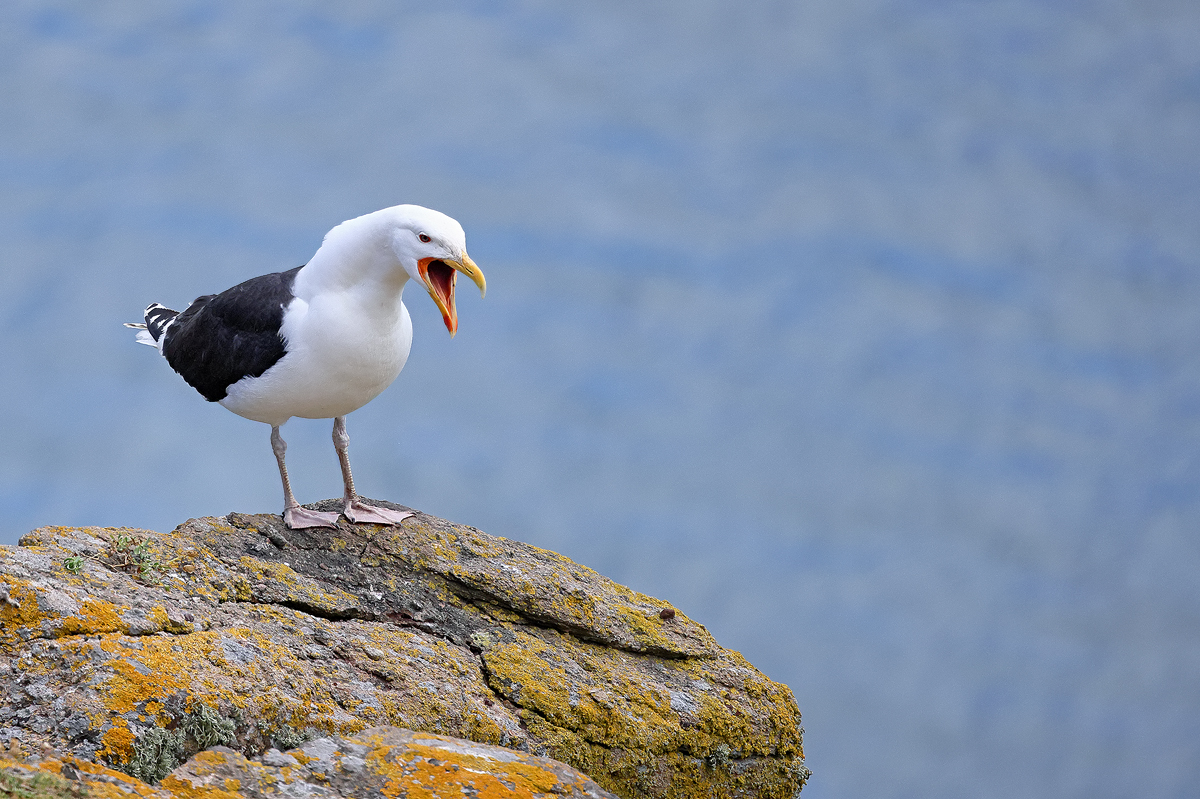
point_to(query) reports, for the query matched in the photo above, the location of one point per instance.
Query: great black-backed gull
(320, 340)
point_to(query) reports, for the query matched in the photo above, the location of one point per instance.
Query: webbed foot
(358, 511)
(298, 518)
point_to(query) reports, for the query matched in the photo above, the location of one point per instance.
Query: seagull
(320, 340)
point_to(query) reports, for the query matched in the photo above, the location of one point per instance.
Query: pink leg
(294, 516)
(355, 509)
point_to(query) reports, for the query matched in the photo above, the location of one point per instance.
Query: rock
(137, 649)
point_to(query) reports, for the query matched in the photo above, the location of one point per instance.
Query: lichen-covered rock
(138, 649)
(382, 761)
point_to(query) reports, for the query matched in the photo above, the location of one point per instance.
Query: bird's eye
(424, 238)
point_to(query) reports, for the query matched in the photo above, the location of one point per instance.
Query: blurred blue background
(865, 332)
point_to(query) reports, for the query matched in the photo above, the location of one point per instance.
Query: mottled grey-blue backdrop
(865, 331)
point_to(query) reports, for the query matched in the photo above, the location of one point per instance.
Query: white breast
(340, 356)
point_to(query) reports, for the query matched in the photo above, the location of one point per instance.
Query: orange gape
(440, 278)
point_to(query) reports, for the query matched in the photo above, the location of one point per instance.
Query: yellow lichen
(599, 711)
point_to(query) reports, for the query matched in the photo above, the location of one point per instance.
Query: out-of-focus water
(864, 332)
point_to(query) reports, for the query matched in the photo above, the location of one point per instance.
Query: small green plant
(133, 555)
(40, 785)
(208, 728)
(156, 753)
(74, 564)
(146, 560)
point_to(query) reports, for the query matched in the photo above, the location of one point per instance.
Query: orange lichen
(118, 743)
(426, 767)
(157, 712)
(182, 789)
(20, 613)
(94, 616)
(142, 676)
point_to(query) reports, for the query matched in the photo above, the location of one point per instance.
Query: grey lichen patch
(208, 728)
(158, 750)
(720, 757)
(287, 737)
(156, 753)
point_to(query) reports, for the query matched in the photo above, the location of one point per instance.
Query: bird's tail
(158, 319)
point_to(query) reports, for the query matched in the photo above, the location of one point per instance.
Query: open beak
(440, 275)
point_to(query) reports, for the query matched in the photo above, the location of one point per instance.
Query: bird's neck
(357, 261)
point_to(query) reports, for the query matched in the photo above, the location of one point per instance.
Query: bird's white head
(432, 248)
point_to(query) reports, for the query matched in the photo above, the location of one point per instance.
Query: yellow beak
(468, 268)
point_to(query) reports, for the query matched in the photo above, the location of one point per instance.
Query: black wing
(221, 338)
